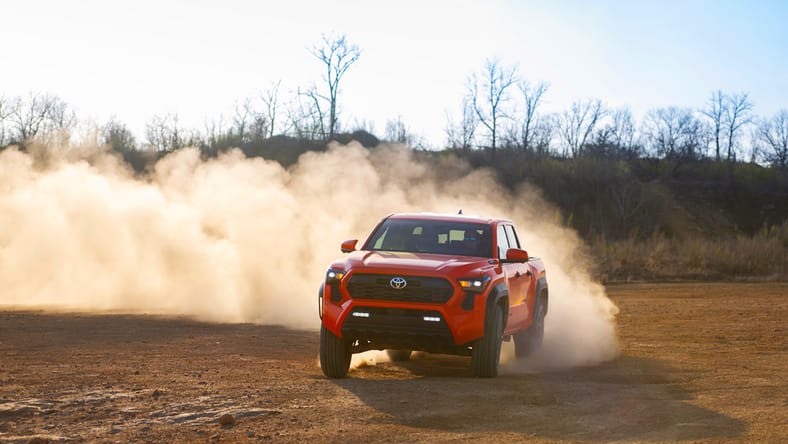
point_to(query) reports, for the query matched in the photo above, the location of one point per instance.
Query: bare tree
(774, 134)
(461, 134)
(61, 116)
(674, 132)
(162, 133)
(215, 134)
(157, 134)
(577, 123)
(543, 134)
(337, 56)
(248, 125)
(715, 111)
(305, 117)
(618, 133)
(398, 132)
(728, 115)
(489, 93)
(270, 99)
(241, 117)
(623, 127)
(258, 129)
(532, 98)
(738, 113)
(38, 115)
(697, 139)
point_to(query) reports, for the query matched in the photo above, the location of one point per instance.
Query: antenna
(460, 212)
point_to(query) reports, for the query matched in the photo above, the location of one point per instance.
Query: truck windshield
(429, 236)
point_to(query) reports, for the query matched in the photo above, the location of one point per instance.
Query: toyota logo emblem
(398, 283)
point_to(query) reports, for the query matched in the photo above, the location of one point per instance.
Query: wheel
(487, 351)
(530, 340)
(334, 354)
(398, 355)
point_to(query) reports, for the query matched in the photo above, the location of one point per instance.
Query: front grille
(418, 289)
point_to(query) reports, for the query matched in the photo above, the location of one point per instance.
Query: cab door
(518, 279)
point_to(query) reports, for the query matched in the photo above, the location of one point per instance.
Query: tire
(528, 341)
(486, 354)
(398, 355)
(334, 354)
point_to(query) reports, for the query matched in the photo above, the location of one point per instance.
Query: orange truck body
(435, 300)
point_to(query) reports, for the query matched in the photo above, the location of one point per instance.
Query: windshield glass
(429, 236)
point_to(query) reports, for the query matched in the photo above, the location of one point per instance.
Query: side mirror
(349, 245)
(514, 255)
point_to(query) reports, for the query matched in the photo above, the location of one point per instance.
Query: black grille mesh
(418, 289)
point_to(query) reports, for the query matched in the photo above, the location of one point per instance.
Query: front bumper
(378, 323)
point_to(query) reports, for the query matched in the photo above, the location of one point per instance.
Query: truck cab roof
(446, 217)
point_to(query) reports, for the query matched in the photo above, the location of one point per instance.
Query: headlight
(334, 276)
(474, 284)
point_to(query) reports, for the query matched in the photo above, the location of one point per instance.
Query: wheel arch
(498, 297)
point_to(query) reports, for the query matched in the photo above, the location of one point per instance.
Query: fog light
(431, 319)
(360, 314)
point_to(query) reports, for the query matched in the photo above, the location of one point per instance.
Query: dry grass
(757, 257)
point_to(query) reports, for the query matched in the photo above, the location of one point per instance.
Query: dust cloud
(234, 239)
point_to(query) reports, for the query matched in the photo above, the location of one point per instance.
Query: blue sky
(134, 59)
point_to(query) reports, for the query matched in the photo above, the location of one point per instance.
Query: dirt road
(700, 362)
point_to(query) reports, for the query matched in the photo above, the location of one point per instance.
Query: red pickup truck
(436, 283)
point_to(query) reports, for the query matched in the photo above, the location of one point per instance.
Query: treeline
(726, 130)
(501, 109)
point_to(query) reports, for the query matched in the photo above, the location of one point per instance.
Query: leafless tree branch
(489, 95)
(337, 56)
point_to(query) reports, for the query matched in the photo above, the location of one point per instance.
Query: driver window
(503, 244)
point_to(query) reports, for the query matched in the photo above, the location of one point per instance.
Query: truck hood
(395, 261)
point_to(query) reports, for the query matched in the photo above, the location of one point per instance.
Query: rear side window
(512, 236)
(503, 243)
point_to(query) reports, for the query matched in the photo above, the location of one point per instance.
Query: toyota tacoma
(437, 283)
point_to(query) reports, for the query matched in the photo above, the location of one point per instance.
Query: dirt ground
(699, 362)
